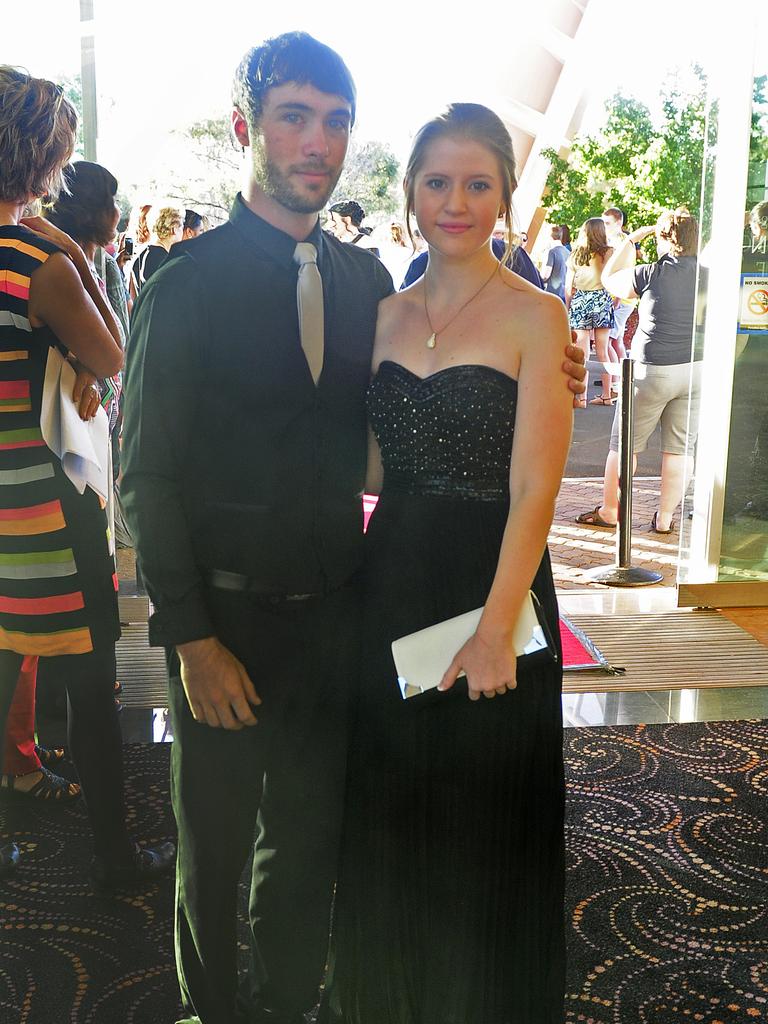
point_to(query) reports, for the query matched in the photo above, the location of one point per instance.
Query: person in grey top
(665, 381)
(553, 271)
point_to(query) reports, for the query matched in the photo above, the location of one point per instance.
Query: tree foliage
(632, 162)
(371, 176)
(209, 178)
(72, 86)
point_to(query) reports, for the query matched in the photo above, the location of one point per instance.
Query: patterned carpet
(667, 918)
(68, 956)
(667, 844)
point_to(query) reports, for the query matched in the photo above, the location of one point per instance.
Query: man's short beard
(275, 185)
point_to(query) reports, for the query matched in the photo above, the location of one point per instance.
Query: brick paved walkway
(575, 548)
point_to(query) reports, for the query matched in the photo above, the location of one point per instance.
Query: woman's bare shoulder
(400, 304)
(531, 307)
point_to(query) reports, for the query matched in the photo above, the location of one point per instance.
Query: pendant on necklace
(431, 340)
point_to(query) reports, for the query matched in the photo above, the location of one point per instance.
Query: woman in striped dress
(57, 580)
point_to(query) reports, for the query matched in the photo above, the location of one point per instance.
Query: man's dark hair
(615, 212)
(291, 57)
(349, 208)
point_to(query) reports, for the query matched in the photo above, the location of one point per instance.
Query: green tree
(371, 176)
(72, 85)
(633, 163)
(758, 149)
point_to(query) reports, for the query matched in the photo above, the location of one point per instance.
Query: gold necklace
(432, 339)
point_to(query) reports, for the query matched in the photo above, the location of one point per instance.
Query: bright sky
(161, 65)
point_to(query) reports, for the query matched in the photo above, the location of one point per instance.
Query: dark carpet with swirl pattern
(667, 895)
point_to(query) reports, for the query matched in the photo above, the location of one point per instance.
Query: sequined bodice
(449, 434)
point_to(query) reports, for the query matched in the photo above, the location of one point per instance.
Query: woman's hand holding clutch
(490, 665)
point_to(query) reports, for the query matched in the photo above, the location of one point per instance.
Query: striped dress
(58, 586)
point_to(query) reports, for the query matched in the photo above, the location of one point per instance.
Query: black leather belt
(223, 580)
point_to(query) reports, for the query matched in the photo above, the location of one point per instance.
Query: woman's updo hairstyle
(349, 208)
(477, 123)
(38, 127)
(681, 230)
(165, 219)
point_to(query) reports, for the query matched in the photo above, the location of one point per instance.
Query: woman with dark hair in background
(347, 224)
(56, 573)
(194, 224)
(87, 211)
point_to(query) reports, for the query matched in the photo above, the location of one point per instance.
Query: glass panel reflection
(744, 545)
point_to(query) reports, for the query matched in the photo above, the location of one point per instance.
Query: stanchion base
(631, 576)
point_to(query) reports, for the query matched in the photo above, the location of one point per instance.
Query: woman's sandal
(49, 755)
(602, 401)
(593, 518)
(655, 528)
(48, 787)
(579, 403)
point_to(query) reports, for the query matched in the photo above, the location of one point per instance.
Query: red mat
(579, 653)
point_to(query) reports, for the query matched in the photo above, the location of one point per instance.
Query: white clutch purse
(422, 658)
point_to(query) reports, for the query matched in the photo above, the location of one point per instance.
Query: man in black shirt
(242, 482)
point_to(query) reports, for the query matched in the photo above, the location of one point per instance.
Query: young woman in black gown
(449, 903)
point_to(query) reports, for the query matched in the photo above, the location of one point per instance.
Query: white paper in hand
(82, 446)
(422, 658)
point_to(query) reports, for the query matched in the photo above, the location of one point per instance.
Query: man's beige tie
(309, 298)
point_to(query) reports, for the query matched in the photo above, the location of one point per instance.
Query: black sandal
(49, 755)
(655, 528)
(48, 787)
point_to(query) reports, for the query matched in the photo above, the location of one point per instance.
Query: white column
(88, 77)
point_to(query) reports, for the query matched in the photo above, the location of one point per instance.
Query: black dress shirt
(233, 460)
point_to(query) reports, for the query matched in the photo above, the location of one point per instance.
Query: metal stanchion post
(623, 573)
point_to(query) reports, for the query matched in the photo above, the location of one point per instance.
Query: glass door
(724, 535)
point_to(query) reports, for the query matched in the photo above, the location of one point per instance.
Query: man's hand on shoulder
(218, 689)
(574, 367)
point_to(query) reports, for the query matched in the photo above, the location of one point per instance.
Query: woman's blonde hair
(164, 220)
(681, 230)
(477, 123)
(592, 241)
(38, 128)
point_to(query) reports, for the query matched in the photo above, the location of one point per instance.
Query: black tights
(95, 740)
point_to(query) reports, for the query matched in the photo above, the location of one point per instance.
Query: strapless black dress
(449, 905)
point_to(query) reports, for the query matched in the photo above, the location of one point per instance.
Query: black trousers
(275, 789)
(94, 737)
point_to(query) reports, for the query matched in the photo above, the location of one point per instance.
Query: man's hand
(218, 689)
(574, 367)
